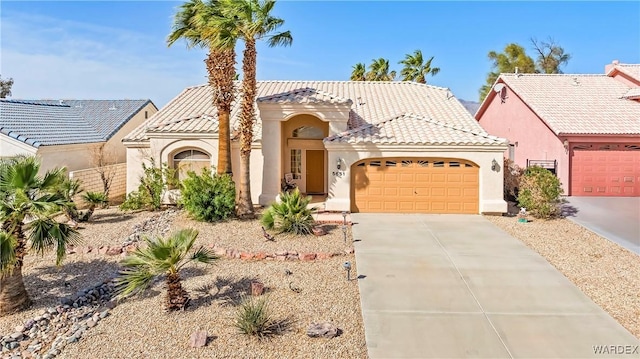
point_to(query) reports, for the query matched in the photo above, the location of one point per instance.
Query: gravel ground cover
(606, 272)
(298, 293)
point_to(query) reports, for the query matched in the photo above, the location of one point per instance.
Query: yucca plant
(254, 318)
(162, 256)
(291, 214)
(93, 199)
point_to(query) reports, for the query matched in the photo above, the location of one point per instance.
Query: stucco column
(491, 183)
(271, 151)
(339, 196)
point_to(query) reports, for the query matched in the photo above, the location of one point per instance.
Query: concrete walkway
(456, 286)
(614, 218)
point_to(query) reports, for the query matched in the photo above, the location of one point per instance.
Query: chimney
(609, 67)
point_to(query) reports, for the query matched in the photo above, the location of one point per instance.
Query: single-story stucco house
(366, 146)
(63, 132)
(584, 128)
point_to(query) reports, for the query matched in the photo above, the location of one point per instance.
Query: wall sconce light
(566, 144)
(494, 165)
(339, 163)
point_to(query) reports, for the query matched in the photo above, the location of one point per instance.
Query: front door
(315, 171)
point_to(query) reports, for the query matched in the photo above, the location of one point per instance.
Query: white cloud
(51, 58)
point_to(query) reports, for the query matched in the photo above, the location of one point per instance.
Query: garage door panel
(605, 172)
(415, 185)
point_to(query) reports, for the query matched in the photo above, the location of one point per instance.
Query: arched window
(190, 160)
(308, 132)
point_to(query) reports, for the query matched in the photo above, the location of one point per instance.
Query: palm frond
(133, 280)
(8, 244)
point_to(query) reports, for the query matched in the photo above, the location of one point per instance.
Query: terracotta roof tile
(411, 129)
(632, 70)
(370, 102)
(578, 104)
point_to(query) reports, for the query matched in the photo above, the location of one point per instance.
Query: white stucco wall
(10, 147)
(491, 193)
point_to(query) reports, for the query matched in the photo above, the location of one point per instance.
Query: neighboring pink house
(583, 127)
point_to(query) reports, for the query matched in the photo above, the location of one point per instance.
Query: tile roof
(304, 95)
(633, 94)
(632, 70)
(370, 102)
(48, 123)
(578, 104)
(411, 129)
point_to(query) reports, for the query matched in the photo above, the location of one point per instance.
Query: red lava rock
(280, 258)
(131, 248)
(292, 257)
(114, 251)
(198, 339)
(87, 249)
(323, 255)
(246, 255)
(348, 250)
(257, 289)
(260, 256)
(307, 257)
(220, 252)
(318, 231)
(103, 249)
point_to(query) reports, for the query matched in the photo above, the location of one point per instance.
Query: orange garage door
(407, 185)
(605, 173)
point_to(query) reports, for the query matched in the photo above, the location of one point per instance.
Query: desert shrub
(207, 196)
(290, 214)
(254, 318)
(152, 184)
(512, 176)
(540, 192)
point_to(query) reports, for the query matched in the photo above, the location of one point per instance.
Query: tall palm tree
(379, 71)
(28, 204)
(162, 257)
(358, 73)
(253, 21)
(196, 22)
(416, 69)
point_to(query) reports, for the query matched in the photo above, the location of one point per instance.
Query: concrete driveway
(456, 286)
(615, 218)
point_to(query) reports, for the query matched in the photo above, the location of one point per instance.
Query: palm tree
(162, 257)
(252, 21)
(379, 71)
(28, 204)
(358, 73)
(94, 199)
(196, 23)
(416, 69)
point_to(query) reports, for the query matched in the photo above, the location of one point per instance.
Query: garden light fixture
(347, 267)
(344, 233)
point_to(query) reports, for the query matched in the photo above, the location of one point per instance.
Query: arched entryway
(303, 152)
(415, 185)
(190, 160)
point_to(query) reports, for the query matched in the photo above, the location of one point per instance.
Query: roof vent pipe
(516, 70)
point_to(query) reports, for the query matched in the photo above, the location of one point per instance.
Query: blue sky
(117, 49)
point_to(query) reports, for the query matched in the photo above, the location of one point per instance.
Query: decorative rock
(281, 258)
(281, 253)
(111, 304)
(307, 257)
(324, 255)
(130, 248)
(198, 339)
(103, 249)
(318, 231)
(66, 301)
(348, 250)
(91, 323)
(87, 249)
(220, 252)
(104, 314)
(257, 289)
(19, 328)
(260, 256)
(292, 257)
(114, 251)
(246, 255)
(324, 330)
(17, 336)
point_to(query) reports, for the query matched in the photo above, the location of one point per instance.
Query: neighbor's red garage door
(606, 172)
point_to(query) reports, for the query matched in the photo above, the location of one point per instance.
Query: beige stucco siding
(115, 142)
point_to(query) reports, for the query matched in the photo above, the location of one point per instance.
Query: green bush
(208, 197)
(290, 214)
(253, 318)
(152, 184)
(540, 192)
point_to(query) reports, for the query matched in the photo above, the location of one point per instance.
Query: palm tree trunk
(220, 66)
(245, 206)
(177, 297)
(13, 294)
